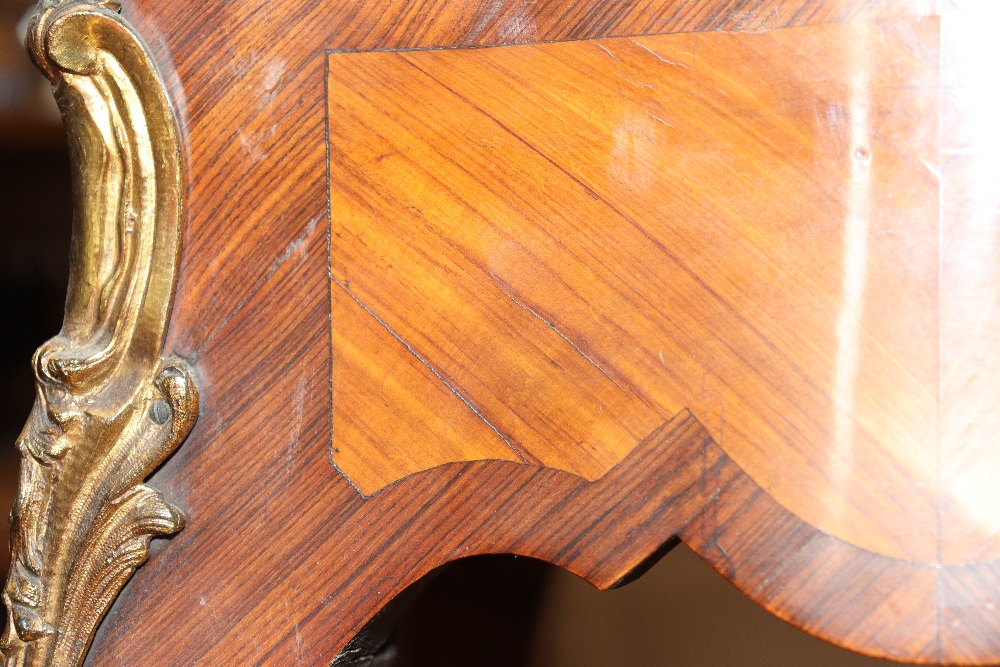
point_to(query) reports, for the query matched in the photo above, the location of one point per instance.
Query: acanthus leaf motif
(109, 408)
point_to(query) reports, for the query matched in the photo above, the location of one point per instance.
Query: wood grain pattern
(283, 560)
(581, 238)
(248, 77)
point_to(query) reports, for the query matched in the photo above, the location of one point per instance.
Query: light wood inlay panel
(581, 239)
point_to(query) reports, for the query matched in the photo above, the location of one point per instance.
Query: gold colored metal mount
(109, 409)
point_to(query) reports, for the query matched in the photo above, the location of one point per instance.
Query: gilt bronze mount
(109, 407)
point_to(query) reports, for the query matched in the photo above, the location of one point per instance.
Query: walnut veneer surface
(723, 271)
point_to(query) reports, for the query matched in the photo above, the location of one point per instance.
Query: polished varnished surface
(820, 392)
(566, 243)
(970, 286)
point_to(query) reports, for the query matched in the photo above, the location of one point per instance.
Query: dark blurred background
(34, 236)
(482, 612)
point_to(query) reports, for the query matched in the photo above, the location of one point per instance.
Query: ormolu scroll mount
(109, 407)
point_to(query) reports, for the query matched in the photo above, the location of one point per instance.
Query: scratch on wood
(786, 562)
(656, 55)
(494, 9)
(935, 172)
(606, 50)
(296, 433)
(634, 83)
(662, 121)
(294, 247)
(730, 566)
